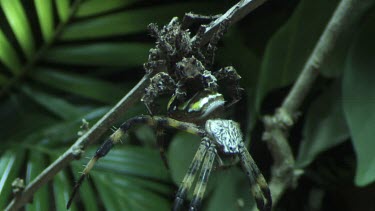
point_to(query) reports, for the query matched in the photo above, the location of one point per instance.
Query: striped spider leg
(119, 134)
(222, 136)
(204, 156)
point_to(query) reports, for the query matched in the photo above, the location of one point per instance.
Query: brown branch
(76, 150)
(234, 14)
(284, 175)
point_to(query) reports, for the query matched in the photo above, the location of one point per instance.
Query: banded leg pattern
(119, 134)
(200, 188)
(191, 173)
(259, 187)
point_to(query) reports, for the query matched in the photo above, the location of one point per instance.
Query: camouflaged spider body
(182, 69)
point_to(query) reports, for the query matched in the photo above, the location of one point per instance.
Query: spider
(182, 72)
(219, 137)
(194, 107)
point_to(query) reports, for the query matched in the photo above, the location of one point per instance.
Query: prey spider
(194, 107)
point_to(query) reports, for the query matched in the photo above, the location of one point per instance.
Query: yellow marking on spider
(152, 121)
(189, 179)
(200, 191)
(173, 123)
(192, 130)
(117, 136)
(89, 165)
(262, 183)
(256, 191)
(196, 106)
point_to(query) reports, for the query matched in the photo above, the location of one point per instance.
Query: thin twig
(76, 150)
(234, 14)
(284, 175)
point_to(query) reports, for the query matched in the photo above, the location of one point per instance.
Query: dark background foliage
(63, 61)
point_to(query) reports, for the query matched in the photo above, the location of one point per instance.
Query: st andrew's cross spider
(193, 109)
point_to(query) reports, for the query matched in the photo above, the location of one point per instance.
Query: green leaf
(86, 192)
(232, 192)
(135, 178)
(61, 191)
(35, 165)
(59, 133)
(359, 100)
(235, 53)
(62, 9)
(132, 160)
(3, 79)
(96, 7)
(129, 21)
(88, 197)
(17, 19)
(45, 15)
(21, 120)
(8, 55)
(76, 84)
(131, 195)
(137, 182)
(146, 135)
(180, 154)
(106, 193)
(107, 54)
(289, 48)
(57, 106)
(10, 164)
(325, 126)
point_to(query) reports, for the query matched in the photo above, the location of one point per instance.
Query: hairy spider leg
(119, 134)
(191, 173)
(200, 188)
(259, 187)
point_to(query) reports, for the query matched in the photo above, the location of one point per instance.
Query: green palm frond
(63, 61)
